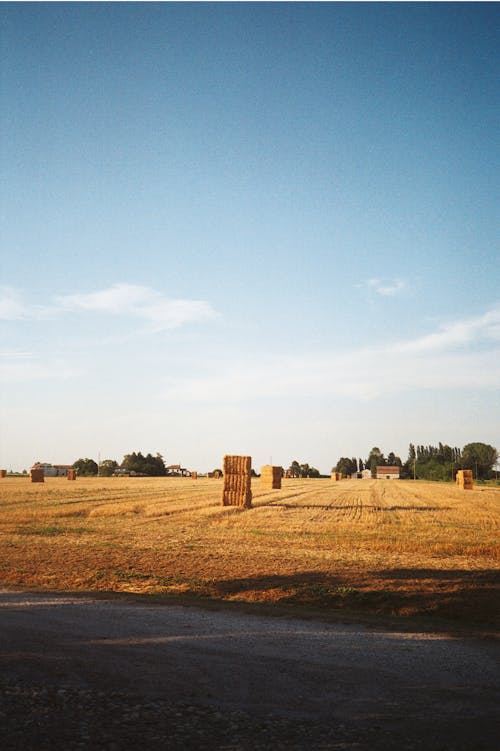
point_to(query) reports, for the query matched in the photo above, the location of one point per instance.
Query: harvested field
(396, 548)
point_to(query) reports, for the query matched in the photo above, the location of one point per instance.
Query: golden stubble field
(363, 546)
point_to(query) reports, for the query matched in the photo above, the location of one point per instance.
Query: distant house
(175, 470)
(53, 470)
(365, 474)
(388, 473)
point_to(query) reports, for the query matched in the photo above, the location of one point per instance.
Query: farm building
(175, 470)
(53, 470)
(365, 474)
(388, 473)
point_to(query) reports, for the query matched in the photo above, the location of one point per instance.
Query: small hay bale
(270, 477)
(71, 474)
(37, 475)
(464, 479)
(3, 473)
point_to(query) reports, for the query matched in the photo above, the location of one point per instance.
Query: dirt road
(89, 673)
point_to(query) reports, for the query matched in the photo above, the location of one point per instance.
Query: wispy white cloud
(14, 308)
(386, 287)
(144, 303)
(431, 362)
(458, 333)
(160, 312)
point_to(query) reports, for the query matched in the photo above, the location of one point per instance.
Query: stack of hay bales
(237, 482)
(37, 475)
(71, 474)
(3, 473)
(217, 474)
(464, 479)
(194, 475)
(270, 477)
(336, 476)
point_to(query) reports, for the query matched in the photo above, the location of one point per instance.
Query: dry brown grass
(390, 547)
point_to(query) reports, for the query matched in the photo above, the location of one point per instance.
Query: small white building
(388, 473)
(365, 474)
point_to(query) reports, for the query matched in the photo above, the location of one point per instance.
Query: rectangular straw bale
(71, 474)
(237, 481)
(237, 465)
(37, 475)
(270, 477)
(194, 475)
(464, 479)
(3, 473)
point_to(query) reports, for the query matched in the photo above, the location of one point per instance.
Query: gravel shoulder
(85, 673)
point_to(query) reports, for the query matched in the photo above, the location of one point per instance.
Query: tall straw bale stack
(270, 477)
(336, 476)
(217, 474)
(71, 474)
(464, 479)
(237, 481)
(194, 475)
(3, 473)
(37, 475)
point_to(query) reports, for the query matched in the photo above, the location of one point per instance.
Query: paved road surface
(79, 672)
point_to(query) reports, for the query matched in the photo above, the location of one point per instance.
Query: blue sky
(256, 228)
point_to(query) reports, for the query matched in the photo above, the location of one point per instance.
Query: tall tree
(346, 466)
(144, 465)
(375, 459)
(480, 457)
(107, 467)
(85, 467)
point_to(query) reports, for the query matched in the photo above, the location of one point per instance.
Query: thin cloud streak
(160, 312)
(430, 362)
(459, 333)
(388, 288)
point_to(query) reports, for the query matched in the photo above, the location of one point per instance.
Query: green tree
(346, 466)
(107, 467)
(135, 462)
(85, 467)
(375, 459)
(480, 457)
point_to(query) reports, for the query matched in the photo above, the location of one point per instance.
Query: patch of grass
(47, 530)
(50, 530)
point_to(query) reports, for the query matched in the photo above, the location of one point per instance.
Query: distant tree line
(302, 470)
(135, 463)
(438, 463)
